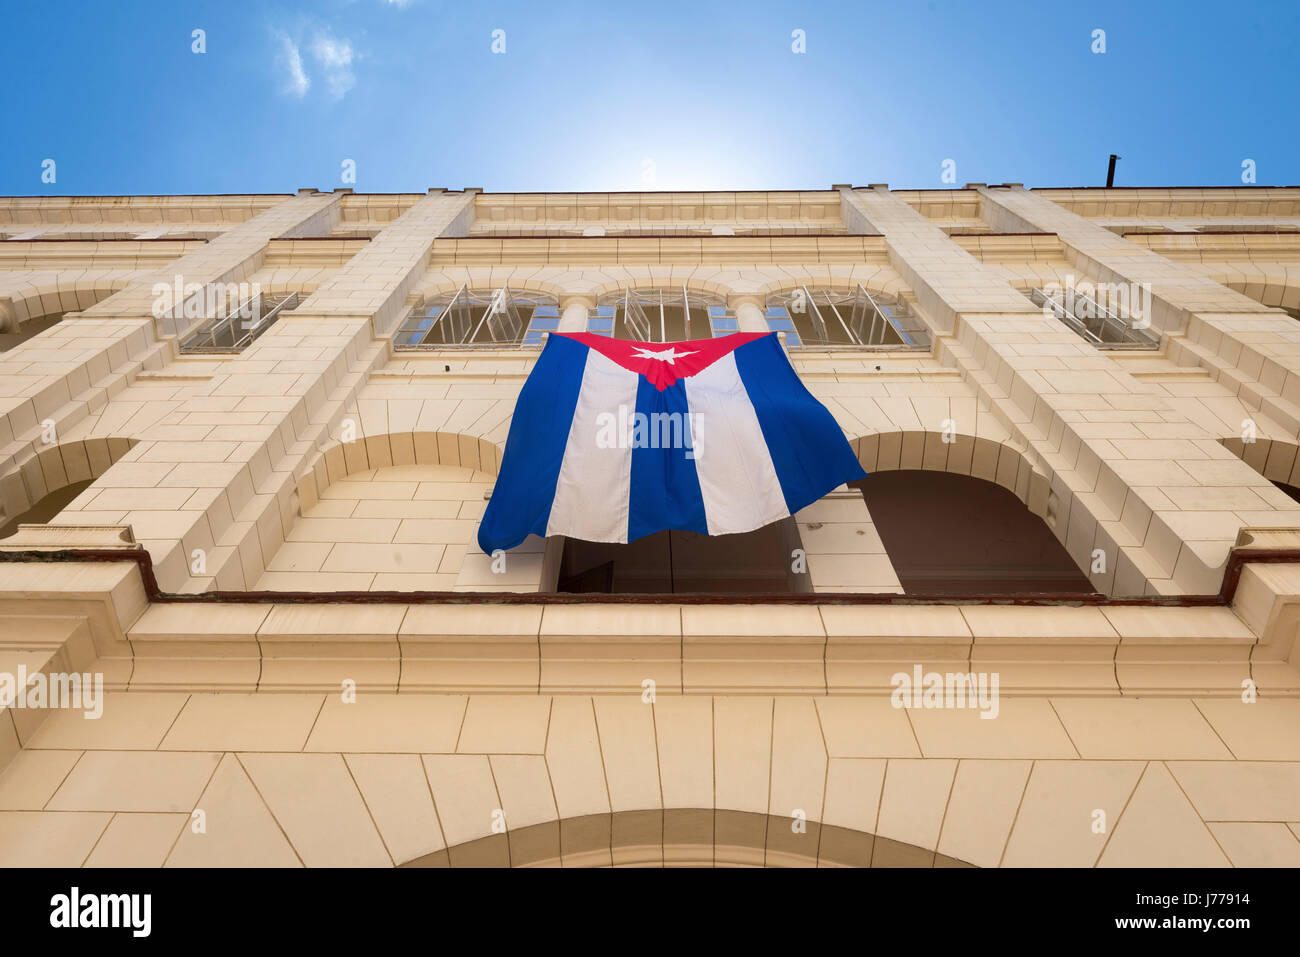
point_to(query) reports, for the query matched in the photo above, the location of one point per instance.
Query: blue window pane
(717, 310)
(532, 338)
(546, 311)
(424, 323)
(547, 323)
(600, 324)
(725, 324)
(777, 312)
(434, 311)
(605, 311)
(793, 339)
(780, 325)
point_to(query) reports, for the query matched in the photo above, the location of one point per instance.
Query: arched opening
(1270, 290)
(684, 837)
(951, 534)
(19, 332)
(1277, 460)
(396, 528)
(1290, 490)
(667, 314)
(502, 316)
(394, 512)
(45, 509)
(47, 483)
(814, 316)
(26, 317)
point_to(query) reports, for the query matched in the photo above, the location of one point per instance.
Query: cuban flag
(612, 440)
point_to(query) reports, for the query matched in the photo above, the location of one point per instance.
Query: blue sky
(664, 95)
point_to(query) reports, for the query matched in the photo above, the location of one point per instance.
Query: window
(669, 314)
(1100, 325)
(814, 318)
(500, 317)
(243, 324)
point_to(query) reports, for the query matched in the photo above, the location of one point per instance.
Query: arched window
(812, 317)
(468, 316)
(666, 314)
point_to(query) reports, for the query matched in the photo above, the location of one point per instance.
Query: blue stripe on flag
(807, 445)
(665, 487)
(525, 488)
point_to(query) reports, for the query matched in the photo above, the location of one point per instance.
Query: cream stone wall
(321, 459)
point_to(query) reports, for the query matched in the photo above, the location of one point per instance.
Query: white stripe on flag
(576, 512)
(737, 478)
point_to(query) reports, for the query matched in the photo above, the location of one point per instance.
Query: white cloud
(335, 59)
(298, 81)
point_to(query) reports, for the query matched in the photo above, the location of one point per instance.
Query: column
(573, 313)
(749, 313)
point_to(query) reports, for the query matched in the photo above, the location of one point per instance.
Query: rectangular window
(1103, 327)
(722, 322)
(233, 332)
(601, 322)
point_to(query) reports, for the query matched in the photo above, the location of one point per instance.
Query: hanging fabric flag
(613, 440)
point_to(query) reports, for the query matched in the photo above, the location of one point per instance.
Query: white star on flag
(663, 355)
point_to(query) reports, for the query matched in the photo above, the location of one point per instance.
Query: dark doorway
(956, 535)
(26, 330)
(46, 508)
(1289, 489)
(755, 562)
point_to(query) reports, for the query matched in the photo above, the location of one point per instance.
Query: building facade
(245, 442)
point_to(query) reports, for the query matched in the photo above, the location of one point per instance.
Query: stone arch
(1277, 290)
(893, 286)
(465, 463)
(54, 296)
(1278, 460)
(969, 516)
(1023, 283)
(683, 837)
(52, 468)
(700, 286)
(338, 459)
(446, 287)
(980, 457)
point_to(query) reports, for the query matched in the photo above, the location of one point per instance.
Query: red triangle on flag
(663, 363)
